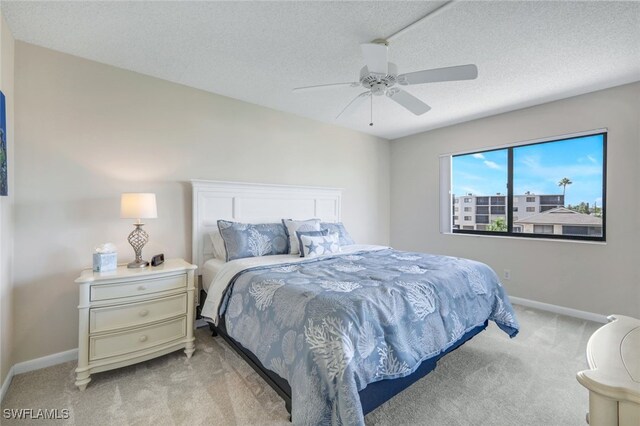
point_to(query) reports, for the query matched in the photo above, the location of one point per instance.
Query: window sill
(509, 237)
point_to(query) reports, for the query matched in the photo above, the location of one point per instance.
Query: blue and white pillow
(338, 227)
(320, 233)
(253, 240)
(293, 226)
(320, 245)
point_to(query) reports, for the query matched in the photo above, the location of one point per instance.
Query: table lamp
(138, 206)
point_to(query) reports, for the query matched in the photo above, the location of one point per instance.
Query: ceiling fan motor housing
(378, 83)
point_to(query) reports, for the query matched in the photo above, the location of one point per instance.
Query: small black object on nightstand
(158, 259)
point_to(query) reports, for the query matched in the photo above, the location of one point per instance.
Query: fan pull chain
(371, 122)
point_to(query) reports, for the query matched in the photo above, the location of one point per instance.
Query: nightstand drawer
(135, 314)
(109, 345)
(137, 288)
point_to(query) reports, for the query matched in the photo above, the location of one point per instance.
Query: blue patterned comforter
(330, 326)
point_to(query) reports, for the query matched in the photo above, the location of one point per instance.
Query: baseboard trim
(37, 364)
(576, 313)
(6, 383)
(45, 361)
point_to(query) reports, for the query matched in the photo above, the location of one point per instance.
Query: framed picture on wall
(4, 185)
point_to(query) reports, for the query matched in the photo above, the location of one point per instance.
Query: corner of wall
(7, 51)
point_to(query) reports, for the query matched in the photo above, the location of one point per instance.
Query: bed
(343, 332)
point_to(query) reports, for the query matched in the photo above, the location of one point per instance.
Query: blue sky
(537, 168)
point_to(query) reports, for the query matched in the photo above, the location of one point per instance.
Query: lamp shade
(136, 205)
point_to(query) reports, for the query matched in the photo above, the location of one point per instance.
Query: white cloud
(534, 168)
(592, 159)
(464, 176)
(491, 165)
(478, 156)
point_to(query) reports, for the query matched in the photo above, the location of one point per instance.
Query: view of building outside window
(480, 185)
(558, 188)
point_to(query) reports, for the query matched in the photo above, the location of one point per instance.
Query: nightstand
(613, 380)
(132, 315)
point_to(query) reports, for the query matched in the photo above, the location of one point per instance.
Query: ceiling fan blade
(460, 72)
(375, 56)
(354, 102)
(408, 101)
(325, 86)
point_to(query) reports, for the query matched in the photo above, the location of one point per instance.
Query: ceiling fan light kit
(378, 83)
(380, 77)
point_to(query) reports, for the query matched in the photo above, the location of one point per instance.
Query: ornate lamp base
(135, 264)
(138, 238)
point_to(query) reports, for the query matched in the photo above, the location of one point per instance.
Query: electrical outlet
(507, 274)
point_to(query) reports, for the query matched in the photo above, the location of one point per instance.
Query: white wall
(85, 132)
(602, 279)
(6, 221)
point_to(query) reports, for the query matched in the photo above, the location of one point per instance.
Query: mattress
(209, 271)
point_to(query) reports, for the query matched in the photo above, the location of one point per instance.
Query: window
(581, 230)
(554, 200)
(483, 174)
(557, 187)
(543, 229)
(482, 219)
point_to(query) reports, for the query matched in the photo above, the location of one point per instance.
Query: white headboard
(254, 203)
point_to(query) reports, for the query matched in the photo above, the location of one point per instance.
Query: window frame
(510, 195)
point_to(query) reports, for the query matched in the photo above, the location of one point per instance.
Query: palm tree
(563, 183)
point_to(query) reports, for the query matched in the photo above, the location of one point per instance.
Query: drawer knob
(144, 313)
(143, 338)
(141, 288)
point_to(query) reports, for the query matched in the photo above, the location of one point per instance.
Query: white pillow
(316, 246)
(293, 226)
(219, 250)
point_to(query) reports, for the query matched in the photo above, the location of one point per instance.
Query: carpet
(491, 380)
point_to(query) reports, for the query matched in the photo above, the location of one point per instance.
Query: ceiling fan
(380, 77)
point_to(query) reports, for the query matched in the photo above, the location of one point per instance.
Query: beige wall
(596, 278)
(6, 222)
(87, 132)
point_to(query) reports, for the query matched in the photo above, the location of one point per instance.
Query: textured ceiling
(526, 52)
